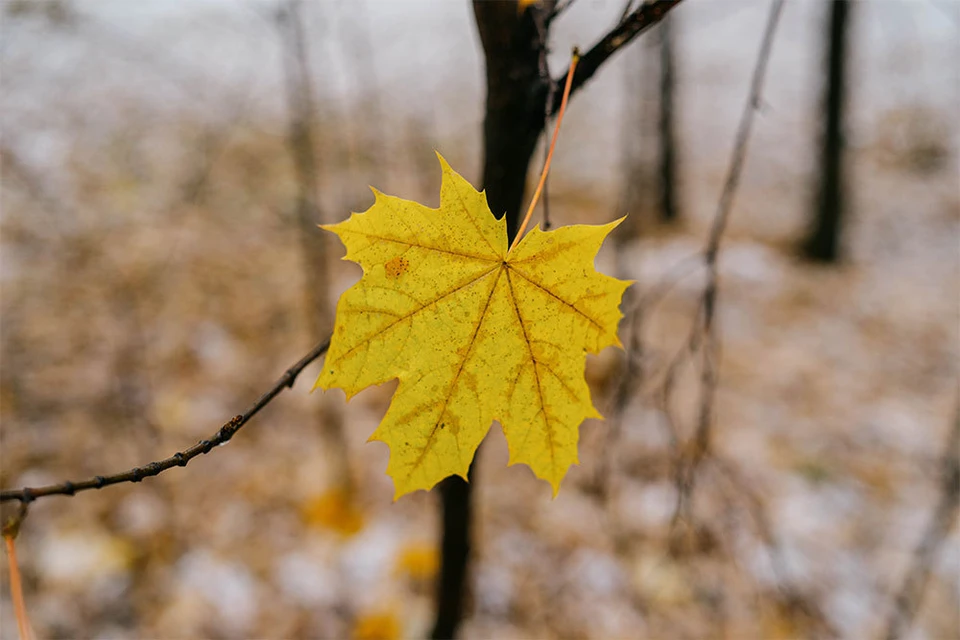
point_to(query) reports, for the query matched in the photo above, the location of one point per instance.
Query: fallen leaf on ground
(377, 626)
(335, 510)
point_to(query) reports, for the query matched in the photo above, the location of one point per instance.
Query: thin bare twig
(792, 595)
(909, 597)
(672, 278)
(630, 373)
(627, 7)
(222, 436)
(739, 156)
(707, 326)
(560, 7)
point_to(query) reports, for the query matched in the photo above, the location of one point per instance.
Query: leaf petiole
(575, 57)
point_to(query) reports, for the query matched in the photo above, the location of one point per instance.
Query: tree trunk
(649, 155)
(669, 207)
(516, 99)
(823, 241)
(312, 241)
(515, 113)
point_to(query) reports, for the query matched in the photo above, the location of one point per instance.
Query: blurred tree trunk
(312, 241)
(669, 206)
(636, 156)
(649, 155)
(823, 242)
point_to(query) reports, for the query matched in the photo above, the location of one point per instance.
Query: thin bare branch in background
(55, 207)
(706, 325)
(604, 482)
(740, 489)
(702, 338)
(559, 8)
(627, 8)
(313, 243)
(909, 596)
(212, 144)
(133, 394)
(222, 436)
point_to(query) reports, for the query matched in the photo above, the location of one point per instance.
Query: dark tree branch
(222, 436)
(644, 17)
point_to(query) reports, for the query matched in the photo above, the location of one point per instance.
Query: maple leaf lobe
(474, 334)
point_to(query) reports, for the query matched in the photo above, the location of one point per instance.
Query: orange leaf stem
(553, 143)
(16, 590)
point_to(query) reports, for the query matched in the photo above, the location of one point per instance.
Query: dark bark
(514, 116)
(669, 207)
(823, 241)
(516, 100)
(646, 15)
(456, 496)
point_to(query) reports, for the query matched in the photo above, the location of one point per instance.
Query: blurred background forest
(154, 283)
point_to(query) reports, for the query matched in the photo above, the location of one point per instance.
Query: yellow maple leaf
(473, 331)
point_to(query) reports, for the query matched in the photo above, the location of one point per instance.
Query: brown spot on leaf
(396, 267)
